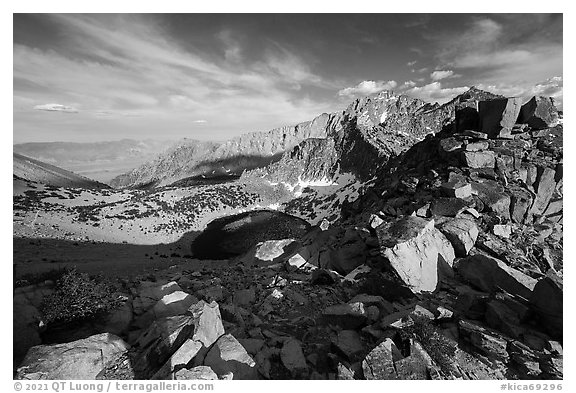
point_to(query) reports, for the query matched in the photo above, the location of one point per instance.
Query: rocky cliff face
(361, 139)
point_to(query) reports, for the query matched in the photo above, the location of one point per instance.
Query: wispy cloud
(56, 108)
(367, 88)
(119, 65)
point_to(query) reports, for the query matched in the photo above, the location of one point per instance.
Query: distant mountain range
(99, 160)
(33, 170)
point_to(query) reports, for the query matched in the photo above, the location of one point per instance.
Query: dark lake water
(231, 236)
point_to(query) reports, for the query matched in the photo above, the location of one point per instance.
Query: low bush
(78, 296)
(439, 347)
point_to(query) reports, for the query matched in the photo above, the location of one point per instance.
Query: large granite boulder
(539, 113)
(416, 250)
(497, 117)
(81, 359)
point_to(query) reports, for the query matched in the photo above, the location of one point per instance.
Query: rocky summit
(433, 249)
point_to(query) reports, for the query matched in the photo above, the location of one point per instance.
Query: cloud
(434, 92)
(509, 50)
(200, 121)
(411, 63)
(367, 87)
(56, 108)
(551, 87)
(409, 84)
(438, 75)
(125, 71)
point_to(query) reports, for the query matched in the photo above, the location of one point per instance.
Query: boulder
(379, 363)
(228, 356)
(547, 301)
(478, 159)
(457, 189)
(416, 250)
(485, 341)
(520, 203)
(81, 359)
(292, 356)
(462, 233)
(197, 373)
(497, 117)
(175, 303)
(448, 207)
(182, 358)
(502, 318)
(207, 323)
(493, 196)
(348, 342)
(348, 316)
(544, 188)
(477, 146)
(539, 113)
(160, 341)
(491, 275)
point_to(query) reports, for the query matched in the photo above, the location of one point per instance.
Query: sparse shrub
(439, 347)
(77, 297)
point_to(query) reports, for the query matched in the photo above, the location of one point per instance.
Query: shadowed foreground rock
(82, 359)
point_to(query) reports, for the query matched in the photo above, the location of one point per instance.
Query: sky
(97, 77)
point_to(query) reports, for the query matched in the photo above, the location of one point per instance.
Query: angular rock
(484, 340)
(493, 196)
(175, 303)
(292, 356)
(416, 250)
(478, 159)
(207, 323)
(502, 318)
(477, 146)
(448, 207)
(462, 233)
(520, 203)
(81, 359)
(544, 188)
(379, 363)
(547, 301)
(348, 316)
(197, 373)
(457, 189)
(539, 113)
(349, 343)
(384, 306)
(229, 356)
(160, 341)
(490, 275)
(497, 117)
(182, 358)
